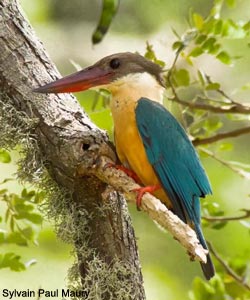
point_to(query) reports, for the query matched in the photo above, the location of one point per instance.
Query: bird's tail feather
(207, 268)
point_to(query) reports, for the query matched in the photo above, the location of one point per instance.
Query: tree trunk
(58, 136)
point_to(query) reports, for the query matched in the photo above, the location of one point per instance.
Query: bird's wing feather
(173, 158)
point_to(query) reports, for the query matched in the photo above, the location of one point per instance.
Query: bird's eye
(115, 63)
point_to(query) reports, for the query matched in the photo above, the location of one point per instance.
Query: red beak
(79, 81)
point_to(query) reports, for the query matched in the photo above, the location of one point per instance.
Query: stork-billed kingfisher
(149, 140)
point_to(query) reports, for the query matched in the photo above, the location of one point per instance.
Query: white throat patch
(138, 85)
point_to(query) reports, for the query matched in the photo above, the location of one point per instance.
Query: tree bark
(91, 213)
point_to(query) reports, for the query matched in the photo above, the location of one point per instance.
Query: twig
(221, 136)
(230, 271)
(238, 171)
(246, 215)
(169, 74)
(233, 108)
(220, 91)
(154, 208)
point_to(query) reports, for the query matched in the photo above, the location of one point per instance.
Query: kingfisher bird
(149, 140)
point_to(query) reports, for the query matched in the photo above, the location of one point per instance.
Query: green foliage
(222, 286)
(181, 77)
(208, 35)
(150, 54)
(12, 261)
(200, 117)
(4, 156)
(20, 218)
(212, 290)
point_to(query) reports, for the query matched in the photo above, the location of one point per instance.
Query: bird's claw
(141, 191)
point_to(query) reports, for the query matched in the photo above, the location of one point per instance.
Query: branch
(229, 165)
(230, 271)
(246, 215)
(152, 206)
(220, 91)
(232, 108)
(221, 136)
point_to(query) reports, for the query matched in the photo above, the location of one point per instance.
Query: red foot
(142, 190)
(127, 171)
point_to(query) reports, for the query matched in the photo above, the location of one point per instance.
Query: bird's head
(104, 73)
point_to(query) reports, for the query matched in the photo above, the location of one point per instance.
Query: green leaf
(201, 77)
(3, 191)
(12, 261)
(28, 195)
(233, 30)
(198, 21)
(208, 45)
(218, 28)
(178, 45)
(213, 86)
(201, 290)
(215, 49)
(150, 54)
(6, 180)
(212, 290)
(224, 57)
(16, 238)
(212, 208)
(182, 77)
(209, 26)
(22, 209)
(34, 218)
(5, 156)
(200, 38)
(246, 27)
(197, 51)
(218, 225)
(28, 233)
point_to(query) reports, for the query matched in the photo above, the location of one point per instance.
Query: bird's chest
(129, 145)
(127, 137)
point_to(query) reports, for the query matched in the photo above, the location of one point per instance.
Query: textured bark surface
(67, 139)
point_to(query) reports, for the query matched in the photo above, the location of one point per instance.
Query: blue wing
(173, 158)
(176, 164)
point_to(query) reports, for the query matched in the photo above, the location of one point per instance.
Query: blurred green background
(65, 28)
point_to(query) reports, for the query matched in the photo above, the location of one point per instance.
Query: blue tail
(208, 267)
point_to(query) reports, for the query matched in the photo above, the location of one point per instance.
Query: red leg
(127, 171)
(142, 190)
